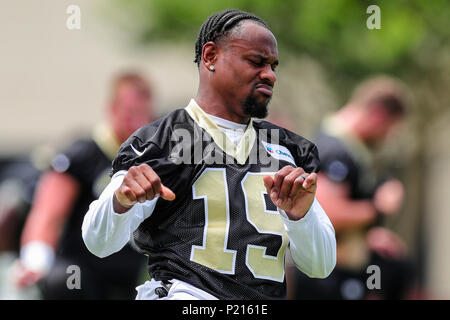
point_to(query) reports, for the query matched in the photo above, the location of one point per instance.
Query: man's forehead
(252, 36)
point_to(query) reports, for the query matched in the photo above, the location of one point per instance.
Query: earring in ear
(211, 68)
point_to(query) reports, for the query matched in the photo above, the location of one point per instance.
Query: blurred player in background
(216, 224)
(356, 197)
(18, 179)
(51, 240)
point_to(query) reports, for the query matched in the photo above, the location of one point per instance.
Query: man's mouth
(265, 89)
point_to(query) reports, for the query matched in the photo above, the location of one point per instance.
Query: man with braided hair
(213, 197)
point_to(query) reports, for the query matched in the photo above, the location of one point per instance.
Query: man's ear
(209, 54)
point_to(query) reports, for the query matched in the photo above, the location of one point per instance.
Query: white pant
(179, 290)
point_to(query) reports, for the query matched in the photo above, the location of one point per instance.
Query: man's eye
(256, 63)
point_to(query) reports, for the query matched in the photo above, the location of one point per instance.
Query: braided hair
(218, 25)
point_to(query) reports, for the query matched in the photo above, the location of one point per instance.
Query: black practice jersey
(86, 161)
(345, 159)
(222, 233)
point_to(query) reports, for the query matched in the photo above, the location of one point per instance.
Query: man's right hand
(140, 184)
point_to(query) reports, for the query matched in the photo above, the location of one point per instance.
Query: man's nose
(268, 74)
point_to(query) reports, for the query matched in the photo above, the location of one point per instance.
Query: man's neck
(218, 108)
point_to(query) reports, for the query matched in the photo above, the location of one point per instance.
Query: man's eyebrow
(264, 58)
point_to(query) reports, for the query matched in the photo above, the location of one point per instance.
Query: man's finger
(288, 183)
(297, 186)
(310, 181)
(278, 179)
(146, 185)
(136, 190)
(268, 183)
(166, 193)
(153, 178)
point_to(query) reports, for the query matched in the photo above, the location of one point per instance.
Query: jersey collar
(239, 152)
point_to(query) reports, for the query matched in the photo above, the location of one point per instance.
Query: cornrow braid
(218, 25)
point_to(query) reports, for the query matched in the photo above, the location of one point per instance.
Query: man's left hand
(292, 190)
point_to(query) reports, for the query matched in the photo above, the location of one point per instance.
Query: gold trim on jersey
(239, 152)
(106, 140)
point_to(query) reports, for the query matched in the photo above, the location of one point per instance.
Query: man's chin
(259, 113)
(256, 110)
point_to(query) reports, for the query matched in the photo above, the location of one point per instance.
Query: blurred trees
(333, 32)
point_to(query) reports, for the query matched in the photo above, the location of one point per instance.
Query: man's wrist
(118, 207)
(296, 219)
(294, 216)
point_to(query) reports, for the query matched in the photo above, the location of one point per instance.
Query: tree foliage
(334, 32)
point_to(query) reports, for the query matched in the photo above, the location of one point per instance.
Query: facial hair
(254, 108)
